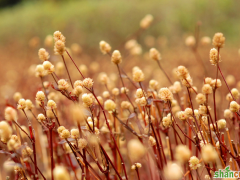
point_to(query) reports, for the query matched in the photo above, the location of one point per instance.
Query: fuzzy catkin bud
(82, 143)
(59, 47)
(234, 106)
(39, 71)
(216, 85)
(146, 21)
(61, 173)
(41, 117)
(228, 114)
(88, 83)
(152, 141)
(51, 104)
(48, 67)
(104, 47)
(154, 54)
(200, 98)
(40, 96)
(182, 72)
(63, 84)
(65, 134)
(138, 75)
(5, 131)
(43, 54)
(165, 94)
(74, 133)
(115, 91)
(194, 162)
(78, 91)
(87, 100)
(170, 168)
(116, 57)
(209, 154)
(136, 149)
(221, 123)
(190, 41)
(57, 35)
(17, 96)
(166, 121)
(21, 104)
(10, 114)
(235, 93)
(214, 57)
(109, 105)
(188, 112)
(182, 153)
(29, 104)
(153, 84)
(218, 40)
(182, 115)
(206, 89)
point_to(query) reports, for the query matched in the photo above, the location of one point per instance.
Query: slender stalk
(67, 71)
(164, 72)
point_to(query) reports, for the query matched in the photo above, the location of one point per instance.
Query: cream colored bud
(78, 83)
(188, 112)
(110, 105)
(146, 21)
(182, 115)
(59, 47)
(51, 104)
(190, 41)
(48, 67)
(218, 84)
(88, 83)
(21, 104)
(10, 114)
(65, 134)
(209, 154)
(63, 84)
(48, 42)
(77, 91)
(218, 40)
(228, 114)
(154, 54)
(214, 57)
(139, 93)
(194, 162)
(152, 141)
(82, 143)
(182, 153)
(205, 40)
(165, 94)
(231, 80)
(106, 94)
(61, 173)
(200, 98)
(153, 84)
(60, 68)
(40, 96)
(138, 76)
(234, 106)
(116, 57)
(221, 123)
(74, 133)
(41, 117)
(39, 71)
(60, 129)
(187, 82)
(170, 168)
(104, 47)
(43, 54)
(87, 100)
(166, 121)
(103, 78)
(124, 90)
(29, 104)
(57, 35)
(182, 72)
(136, 150)
(115, 91)
(235, 93)
(206, 89)
(17, 96)
(5, 131)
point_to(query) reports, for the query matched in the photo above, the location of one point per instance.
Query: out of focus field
(25, 26)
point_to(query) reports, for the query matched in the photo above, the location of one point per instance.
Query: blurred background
(26, 24)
